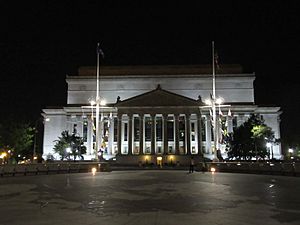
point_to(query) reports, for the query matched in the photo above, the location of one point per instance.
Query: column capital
(188, 116)
(119, 116)
(199, 115)
(176, 116)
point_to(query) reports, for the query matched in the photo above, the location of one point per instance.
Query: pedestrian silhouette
(192, 163)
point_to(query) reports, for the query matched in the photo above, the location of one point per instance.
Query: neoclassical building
(155, 112)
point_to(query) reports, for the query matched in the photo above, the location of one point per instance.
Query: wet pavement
(149, 197)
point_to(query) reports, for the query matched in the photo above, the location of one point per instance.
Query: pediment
(158, 98)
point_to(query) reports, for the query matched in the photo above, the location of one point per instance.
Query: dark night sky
(42, 41)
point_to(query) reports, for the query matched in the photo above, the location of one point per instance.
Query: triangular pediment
(158, 98)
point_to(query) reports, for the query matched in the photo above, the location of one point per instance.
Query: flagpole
(214, 102)
(97, 104)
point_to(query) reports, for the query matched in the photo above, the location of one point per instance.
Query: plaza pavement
(156, 197)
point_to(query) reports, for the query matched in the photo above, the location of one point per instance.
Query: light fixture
(219, 101)
(102, 102)
(94, 170)
(207, 102)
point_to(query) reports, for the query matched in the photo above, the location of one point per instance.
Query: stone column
(208, 134)
(199, 134)
(141, 148)
(165, 133)
(90, 149)
(188, 133)
(153, 141)
(229, 124)
(176, 117)
(111, 136)
(119, 140)
(129, 134)
(240, 119)
(101, 129)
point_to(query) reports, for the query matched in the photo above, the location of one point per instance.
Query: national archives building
(155, 113)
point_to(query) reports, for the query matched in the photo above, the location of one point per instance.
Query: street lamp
(99, 101)
(219, 101)
(213, 102)
(36, 132)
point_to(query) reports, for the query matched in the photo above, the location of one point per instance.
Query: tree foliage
(71, 142)
(17, 137)
(249, 140)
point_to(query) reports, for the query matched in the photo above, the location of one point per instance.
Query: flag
(211, 118)
(99, 50)
(220, 127)
(229, 113)
(220, 112)
(229, 122)
(93, 123)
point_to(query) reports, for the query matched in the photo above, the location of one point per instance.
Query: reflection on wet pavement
(150, 197)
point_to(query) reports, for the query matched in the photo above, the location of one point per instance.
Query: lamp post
(34, 157)
(213, 102)
(92, 102)
(98, 101)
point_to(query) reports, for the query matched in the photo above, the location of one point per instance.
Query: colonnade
(178, 134)
(139, 134)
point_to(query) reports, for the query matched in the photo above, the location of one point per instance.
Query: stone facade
(154, 110)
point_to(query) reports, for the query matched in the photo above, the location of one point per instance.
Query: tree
(61, 145)
(73, 142)
(17, 137)
(249, 140)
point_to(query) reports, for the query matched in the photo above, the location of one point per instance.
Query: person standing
(192, 164)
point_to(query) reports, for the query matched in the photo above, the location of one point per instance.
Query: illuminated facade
(155, 111)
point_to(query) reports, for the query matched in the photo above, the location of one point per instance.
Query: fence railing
(51, 168)
(277, 168)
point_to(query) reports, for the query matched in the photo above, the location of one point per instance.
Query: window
(74, 128)
(181, 128)
(159, 129)
(136, 128)
(170, 128)
(125, 131)
(106, 130)
(203, 128)
(193, 131)
(115, 129)
(148, 124)
(84, 131)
